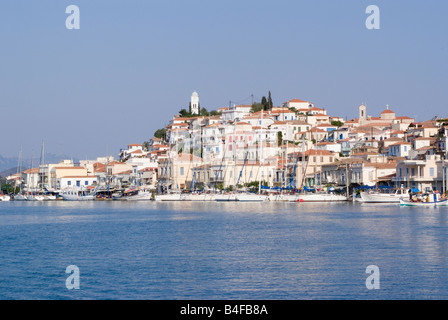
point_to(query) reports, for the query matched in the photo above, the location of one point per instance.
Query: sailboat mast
(261, 153)
(234, 150)
(315, 162)
(286, 160)
(42, 162)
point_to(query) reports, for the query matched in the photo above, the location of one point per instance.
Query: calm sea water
(181, 250)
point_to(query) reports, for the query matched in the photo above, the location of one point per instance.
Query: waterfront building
(58, 172)
(76, 182)
(421, 174)
(30, 179)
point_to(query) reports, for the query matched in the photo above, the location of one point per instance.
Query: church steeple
(362, 113)
(194, 103)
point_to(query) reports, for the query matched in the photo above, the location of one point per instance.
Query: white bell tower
(362, 114)
(194, 103)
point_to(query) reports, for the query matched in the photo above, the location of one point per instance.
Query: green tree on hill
(160, 133)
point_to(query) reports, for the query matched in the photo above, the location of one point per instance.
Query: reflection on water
(191, 250)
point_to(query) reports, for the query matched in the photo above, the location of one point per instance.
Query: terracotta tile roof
(400, 143)
(78, 177)
(298, 101)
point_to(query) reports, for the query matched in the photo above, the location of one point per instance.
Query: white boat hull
(5, 198)
(317, 197)
(408, 203)
(19, 197)
(200, 197)
(247, 197)
(169, 197)
(77, 198)
(139, 197)
(77, 194)
(283, 197)
(226, 197)
(380, 197)
(37, 197)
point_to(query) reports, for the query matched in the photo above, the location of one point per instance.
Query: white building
(236, 113)
(329, 146)
(76, 181)
(297, 104)
(400, 149)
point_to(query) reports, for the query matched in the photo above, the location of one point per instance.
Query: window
(181, 171)
(69, 183)
(78, 183)
(431, 172)
(86, 183)
(413, 171)
(405, 148)
(400, 172)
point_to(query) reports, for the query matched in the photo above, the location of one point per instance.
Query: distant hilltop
(10, 164)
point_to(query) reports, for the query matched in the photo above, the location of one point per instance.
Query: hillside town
(261, 148)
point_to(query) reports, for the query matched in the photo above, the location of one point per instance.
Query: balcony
(413, 179)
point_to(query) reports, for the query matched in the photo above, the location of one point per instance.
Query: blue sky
(133, 64)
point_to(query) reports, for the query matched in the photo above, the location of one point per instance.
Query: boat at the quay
(384, 197)
(321, 197)
(430, 199)
(409, 203)
(5, 197)
(74, 194)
